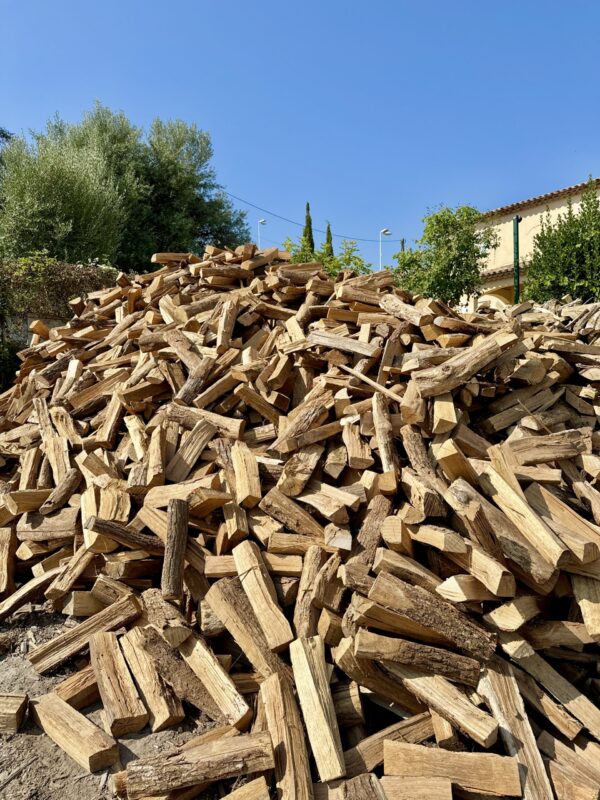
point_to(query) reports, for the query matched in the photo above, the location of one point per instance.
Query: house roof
(491, 274)
(541, 198)
(495, 272)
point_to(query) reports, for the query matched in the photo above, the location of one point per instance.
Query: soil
(32, 767)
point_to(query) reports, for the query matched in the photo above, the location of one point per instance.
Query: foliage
(450, 256)
(58, 196)
(307, 233)
(41, 286)
(300, 251)
(348, 258)
(566, 252)
(5, 137)
(9, 361)
(327, 248)
(154, 191)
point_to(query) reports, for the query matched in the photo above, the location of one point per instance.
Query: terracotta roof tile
(541, 198)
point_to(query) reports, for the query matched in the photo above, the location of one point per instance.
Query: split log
(475, 772)
(215, 760)
(48, 655)
(312, 685)
(164, 707)
(86, 744)
(12, 712)
(292, 769)
(260, 591)
(124, 711)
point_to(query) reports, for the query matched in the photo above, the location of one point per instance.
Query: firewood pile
(355, 532)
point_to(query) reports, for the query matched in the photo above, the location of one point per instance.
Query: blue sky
(373, 111)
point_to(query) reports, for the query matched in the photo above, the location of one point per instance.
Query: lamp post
(260, 222)
(516, 263)
(382, 232)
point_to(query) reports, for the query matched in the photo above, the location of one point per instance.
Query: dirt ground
(32, 767)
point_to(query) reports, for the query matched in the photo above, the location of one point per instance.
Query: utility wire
(301, 224)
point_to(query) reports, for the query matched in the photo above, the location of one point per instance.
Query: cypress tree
(328, 246)
(307, 233)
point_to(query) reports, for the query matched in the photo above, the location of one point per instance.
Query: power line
(301, 224)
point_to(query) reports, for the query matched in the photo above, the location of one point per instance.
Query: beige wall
(499, 296)
(502, 256)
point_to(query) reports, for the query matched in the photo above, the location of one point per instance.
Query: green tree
(300, 251)
(5, 137)
(307, 233)
(566, 252)
(168, 197)
(451, 253)
(60, 197)
(328, 246)
(348, 257)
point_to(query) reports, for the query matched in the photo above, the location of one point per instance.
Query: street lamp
(260, 222)
(382, 232)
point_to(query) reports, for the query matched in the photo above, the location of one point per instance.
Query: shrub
(348, 257)
(103, 188)
(40, 286)
(452, 252)
(566, 253)
(58, 197)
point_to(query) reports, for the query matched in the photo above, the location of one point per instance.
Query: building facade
(497, 276)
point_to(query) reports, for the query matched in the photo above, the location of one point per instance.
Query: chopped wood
(368, 753)
(124, 711)
(247, 480)
(48, 655)
(254, 790)
(312, 685)
(443, 662)
(171, 582)
(426, 609)
(12, 712)
(587, 595)
(306, 613)
(85, 743)
(449, 702)
(229, 602)
(184, 681)
(292, 769)
(501, 691)
(476, 772)
(213, 458)
(165, 618)
(261, 594)
(215, 760)
(164, 707)
(425, 788)
(365, 787)
(69, 573)
(348, 704)
(27, 591)
(80, 689)
(202, 661)
(522, 515)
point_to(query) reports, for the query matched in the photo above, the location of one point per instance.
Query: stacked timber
(352, 532)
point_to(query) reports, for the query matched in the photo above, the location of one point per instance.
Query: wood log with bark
(353, 531)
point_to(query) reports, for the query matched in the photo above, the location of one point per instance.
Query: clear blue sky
(374, 111)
